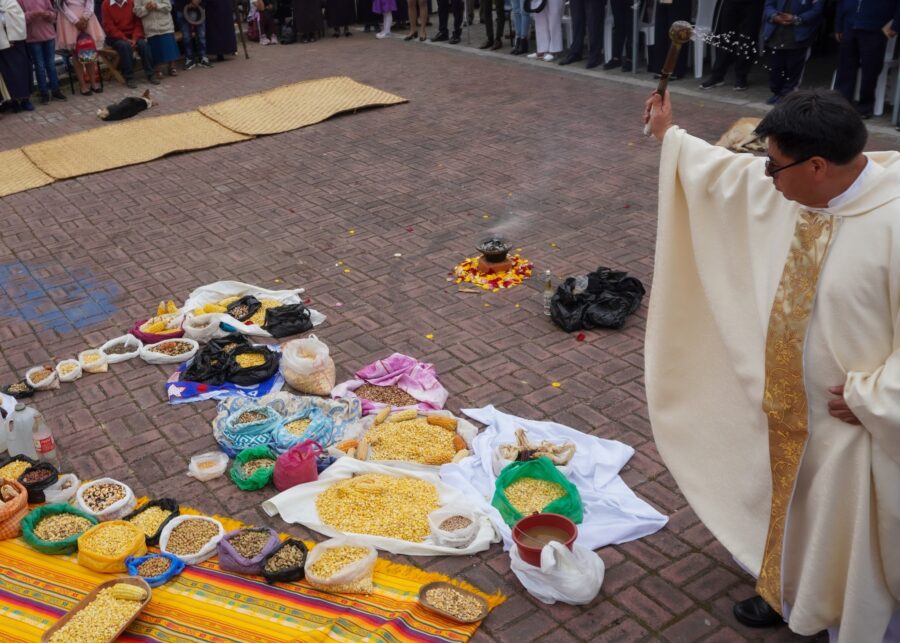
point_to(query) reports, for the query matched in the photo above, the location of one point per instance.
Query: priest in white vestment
(773, 360)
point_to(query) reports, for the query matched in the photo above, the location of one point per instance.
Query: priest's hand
(658, 114)
(838, 408)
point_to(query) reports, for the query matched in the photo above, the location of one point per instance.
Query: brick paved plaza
(553, 159)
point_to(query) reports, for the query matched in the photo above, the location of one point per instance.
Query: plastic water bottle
(44, 444)
(29, 435)
(548, 291)
(21, 432)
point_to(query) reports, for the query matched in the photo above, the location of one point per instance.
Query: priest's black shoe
(755, 612)
(487, 44)
(591, 64)
(441, 36)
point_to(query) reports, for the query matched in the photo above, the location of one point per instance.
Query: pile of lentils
(393, 395)
(172, 348)
(154, 566)
(36, 475)
(454, 523)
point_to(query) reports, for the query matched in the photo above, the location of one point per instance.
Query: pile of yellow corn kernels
(379, 505)
(411, 440)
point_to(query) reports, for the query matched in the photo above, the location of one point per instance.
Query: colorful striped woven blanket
(205, 604)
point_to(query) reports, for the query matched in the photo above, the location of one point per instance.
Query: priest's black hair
(815, 123)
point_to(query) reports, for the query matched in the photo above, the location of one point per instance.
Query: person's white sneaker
(532, 56)
(263, 40)
(548, 57)
(383, 34)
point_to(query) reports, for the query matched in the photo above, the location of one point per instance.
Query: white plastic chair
(881, 84)
(706, 14)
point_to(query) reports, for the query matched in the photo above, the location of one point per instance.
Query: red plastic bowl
(529, 550)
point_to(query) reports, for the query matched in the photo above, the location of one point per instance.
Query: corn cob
(443, 421)
(128, 592)
(346, 445)
(403, 416)
(458, 443)
(382, 415)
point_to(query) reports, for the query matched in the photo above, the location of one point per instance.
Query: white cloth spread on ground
(298, 504)
(205, 327)
(612, 513)
(724, 234)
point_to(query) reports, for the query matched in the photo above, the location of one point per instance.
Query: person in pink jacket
(77, 17)
(40, 20)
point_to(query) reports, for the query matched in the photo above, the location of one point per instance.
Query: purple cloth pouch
(230, 560)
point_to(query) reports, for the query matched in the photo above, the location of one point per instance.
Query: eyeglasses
(772, 168)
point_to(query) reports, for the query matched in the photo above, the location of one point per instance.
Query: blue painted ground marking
(78, 298)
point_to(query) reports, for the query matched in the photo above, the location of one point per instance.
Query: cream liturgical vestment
(758, 306)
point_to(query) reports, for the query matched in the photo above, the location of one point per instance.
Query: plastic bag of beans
(156, 569)
(342, 565)
(105, 547)
(285, 564)
(152, 517)
(244, 550)
(189, 539)
(307, 366)
(251, 365)
(59, 535)
(13, 510)
(42, 378)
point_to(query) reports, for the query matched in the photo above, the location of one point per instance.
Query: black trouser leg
(487, 19)
(443, 7)
(577, 9)
(794, 60)
(621, 10)
(126, 60)
(456, 6)
(748, 27)
(501, 17)
(872, 45)
(848, 64)
(593, 15)
(729, 21)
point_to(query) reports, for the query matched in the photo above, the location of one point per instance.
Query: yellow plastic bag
(105, 547)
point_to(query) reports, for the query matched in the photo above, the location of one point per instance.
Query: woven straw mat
(293, 106)
(127, 143)
(19, 174)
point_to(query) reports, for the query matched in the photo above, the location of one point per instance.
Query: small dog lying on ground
(126, 108)
(740, 136)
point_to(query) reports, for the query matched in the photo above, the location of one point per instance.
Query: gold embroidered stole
(784, 400)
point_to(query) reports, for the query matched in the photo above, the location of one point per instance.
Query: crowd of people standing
(33, 31)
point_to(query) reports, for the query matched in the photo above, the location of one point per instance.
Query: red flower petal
(579, 337)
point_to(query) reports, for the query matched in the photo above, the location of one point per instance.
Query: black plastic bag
(210, 364)
(291, 574)
(252, 375)
(36, 489)
(168, 504)
(206, 368)
(19, 390)
(244, 308)
(288, 35)
(284, 321)
(601, 299)
(227, 344)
